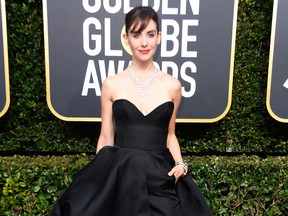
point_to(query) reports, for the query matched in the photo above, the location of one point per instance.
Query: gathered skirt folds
(130, 182)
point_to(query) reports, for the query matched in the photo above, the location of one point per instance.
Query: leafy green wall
(231, 185)
(28, 125)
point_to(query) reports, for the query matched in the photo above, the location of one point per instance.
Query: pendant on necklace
(143, 88)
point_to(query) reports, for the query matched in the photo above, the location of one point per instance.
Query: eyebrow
(136, 32)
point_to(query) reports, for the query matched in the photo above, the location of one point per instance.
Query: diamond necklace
(143, 88)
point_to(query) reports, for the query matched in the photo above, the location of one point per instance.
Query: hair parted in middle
(139, 17)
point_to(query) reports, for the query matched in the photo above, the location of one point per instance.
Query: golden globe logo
(104, 26)
(84, 46)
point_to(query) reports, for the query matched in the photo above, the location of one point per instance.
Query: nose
(144, 42)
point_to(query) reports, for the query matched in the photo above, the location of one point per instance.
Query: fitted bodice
(133, 177)
(136, 130)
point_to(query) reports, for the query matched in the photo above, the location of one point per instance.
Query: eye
(151, 35)
(136, 36)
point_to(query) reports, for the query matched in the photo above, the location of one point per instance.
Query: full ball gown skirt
(131, 177)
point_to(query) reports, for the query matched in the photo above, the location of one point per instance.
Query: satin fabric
(131, 178)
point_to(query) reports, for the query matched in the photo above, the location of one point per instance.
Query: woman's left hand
(177, 171)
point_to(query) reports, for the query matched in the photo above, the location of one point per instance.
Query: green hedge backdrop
(28, 125)
(237, 185)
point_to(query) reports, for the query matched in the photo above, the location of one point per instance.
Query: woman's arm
(106, 136)
(172, 141)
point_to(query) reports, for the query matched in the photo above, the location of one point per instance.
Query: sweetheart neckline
(158, 106)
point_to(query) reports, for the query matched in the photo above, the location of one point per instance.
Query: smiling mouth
(144, 51)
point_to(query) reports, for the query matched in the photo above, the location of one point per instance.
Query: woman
(140, 171)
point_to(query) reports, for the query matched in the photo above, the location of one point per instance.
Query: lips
(144, 51)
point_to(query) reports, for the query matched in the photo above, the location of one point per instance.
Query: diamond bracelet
(184, 166)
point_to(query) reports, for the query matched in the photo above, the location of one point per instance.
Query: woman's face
(143, 45)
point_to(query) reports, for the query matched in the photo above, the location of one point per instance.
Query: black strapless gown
(131, 178)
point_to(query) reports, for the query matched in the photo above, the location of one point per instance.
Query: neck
(142, 70)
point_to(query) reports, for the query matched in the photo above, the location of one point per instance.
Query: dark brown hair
(140, 15)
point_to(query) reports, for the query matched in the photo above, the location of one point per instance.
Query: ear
(125, 38)
(159, 36)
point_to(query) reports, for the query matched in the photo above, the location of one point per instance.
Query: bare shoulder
(170, 81)
(111, 84)
(173, 86)
(113, 81)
